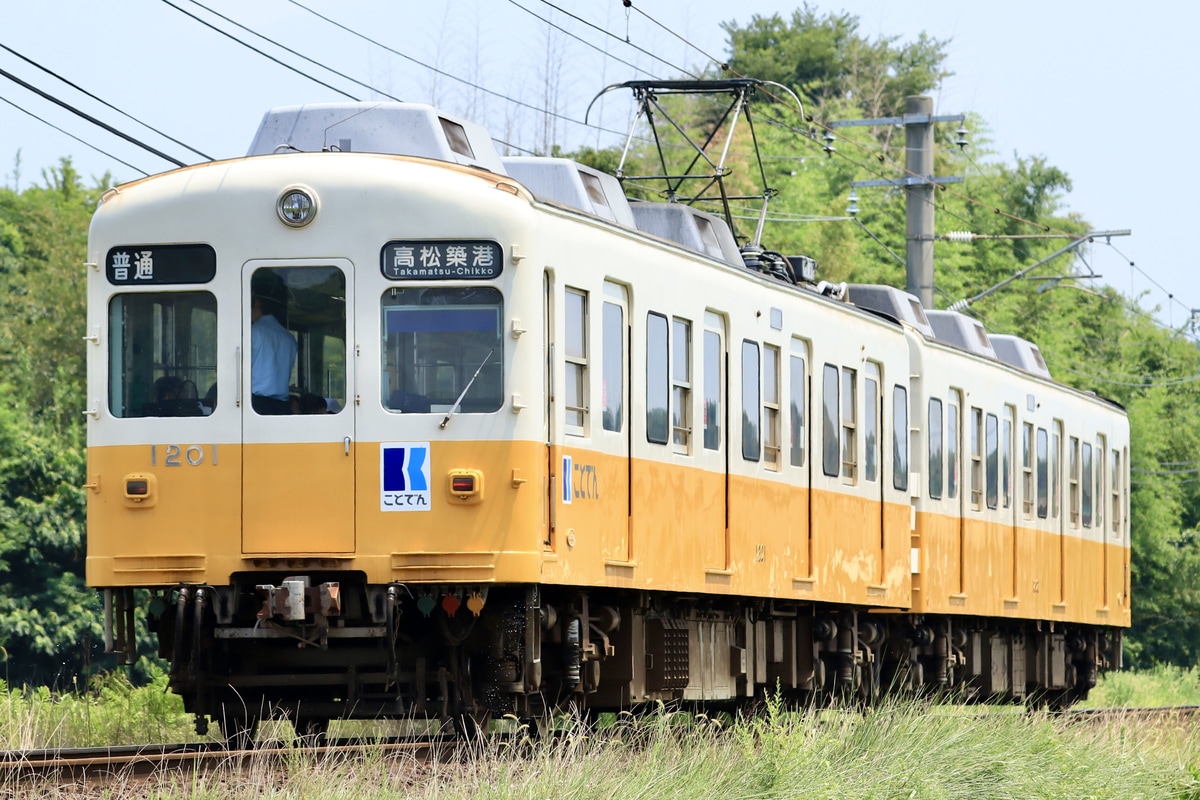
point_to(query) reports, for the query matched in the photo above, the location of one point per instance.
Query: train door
(615, 429)
(296, 376)
(712, 456)
(872, 438)
(955, 491)
(1007, 496)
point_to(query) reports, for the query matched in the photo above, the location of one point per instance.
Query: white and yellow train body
(559, 455)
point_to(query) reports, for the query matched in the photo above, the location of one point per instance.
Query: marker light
(139, 490)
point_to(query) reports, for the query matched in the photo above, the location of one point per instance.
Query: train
(541, 446)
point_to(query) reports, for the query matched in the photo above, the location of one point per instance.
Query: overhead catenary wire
(281, 63)
(63, 104)
(73, 136)
(105, 103)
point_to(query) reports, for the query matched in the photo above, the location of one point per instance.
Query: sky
(1102, 92)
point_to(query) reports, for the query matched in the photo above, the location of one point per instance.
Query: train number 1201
(177, 455)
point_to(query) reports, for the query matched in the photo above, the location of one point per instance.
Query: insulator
(853, 208)
(961, 237)
(961, 141)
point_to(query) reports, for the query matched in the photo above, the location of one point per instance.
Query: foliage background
(1093, 337)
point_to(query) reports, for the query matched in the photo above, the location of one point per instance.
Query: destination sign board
(441, 260)
(155, 264)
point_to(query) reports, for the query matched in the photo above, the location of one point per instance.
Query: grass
(916, 751)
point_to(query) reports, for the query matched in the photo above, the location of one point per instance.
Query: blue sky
(1103, 92)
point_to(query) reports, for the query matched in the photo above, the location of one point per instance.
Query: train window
(977, 459)
(575, 353)
(1006, 457)
(302, 309)
(830, 446)
(612, 393)
(162, 354)
(750, 401)
(1073, 480)
(456, 137)
(935, 448)
(900, 438)
(713, 394)
(1114, 515)
(770, 400)
(1056, 470)
(952, 446)
(797, 400)
(658, 380)
(1042, 470)
(849, 425)
(870, 423)
(681, 384)
(1101, 447)
(993, 460)
(438, 343)
(1027, 475)
(1086, 482)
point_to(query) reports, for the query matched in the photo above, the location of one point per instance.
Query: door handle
(346, 444)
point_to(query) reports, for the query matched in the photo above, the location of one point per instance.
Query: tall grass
(917, 751)
(1159, 686)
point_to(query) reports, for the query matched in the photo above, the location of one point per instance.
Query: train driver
(272, 355)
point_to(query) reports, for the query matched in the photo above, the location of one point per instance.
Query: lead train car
(555, 458)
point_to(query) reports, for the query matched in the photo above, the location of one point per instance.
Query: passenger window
(935, 448)
(713, 394)
(900, 438)
(681, 384)
(1114, 516)
(849, 425)
(1042, 474)
(1073, 480)
(1027, 486)
(871, 424)
(612, 393)
(658, 380)
(976, 459)
(993, 461)
(830, 447)
(798, 401)
(952, 438)
(162, 354)
(575, 355)
(1101, 447)
(770, 418)
(1086, 481)
(1006, 451)
(1056, 470)
(750, 401)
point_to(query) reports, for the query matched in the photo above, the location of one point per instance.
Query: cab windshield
(434, 342)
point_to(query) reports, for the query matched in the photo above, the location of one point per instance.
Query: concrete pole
(918, 141)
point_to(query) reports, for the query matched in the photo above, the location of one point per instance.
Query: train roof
(572, 184)
(891, 302)
(405, 129)
(1020, 353)
(961, 330)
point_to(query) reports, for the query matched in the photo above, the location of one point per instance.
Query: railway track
(99, 765)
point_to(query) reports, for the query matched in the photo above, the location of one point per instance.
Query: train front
(315, 421)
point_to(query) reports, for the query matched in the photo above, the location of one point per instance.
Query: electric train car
(389, 426)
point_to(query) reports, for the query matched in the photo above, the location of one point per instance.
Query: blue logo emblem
(404, 476)
(567, 471)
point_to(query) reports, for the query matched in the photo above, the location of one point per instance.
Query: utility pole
(918, 184)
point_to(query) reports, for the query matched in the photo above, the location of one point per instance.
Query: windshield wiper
(467, 388)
